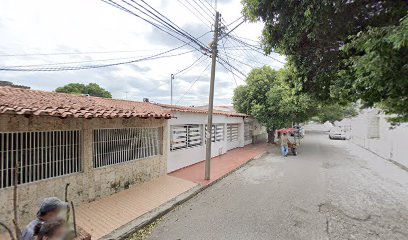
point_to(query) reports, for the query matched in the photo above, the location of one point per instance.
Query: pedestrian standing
(284, 144)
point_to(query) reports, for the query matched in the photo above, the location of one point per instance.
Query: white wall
(185, 157)
(391, 143)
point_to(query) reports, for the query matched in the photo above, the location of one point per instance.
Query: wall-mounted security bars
(113, 146)
(185, 136)
(217, 132)
(38, 155)
(232, 132)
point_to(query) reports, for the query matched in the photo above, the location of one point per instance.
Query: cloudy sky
(92, 32)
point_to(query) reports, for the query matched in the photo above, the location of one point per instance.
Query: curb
(133, 226)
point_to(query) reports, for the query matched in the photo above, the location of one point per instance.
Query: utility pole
(211, 99)
(171, 88)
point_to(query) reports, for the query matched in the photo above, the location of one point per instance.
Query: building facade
(98, 149)
(187, 134)
(100, 146)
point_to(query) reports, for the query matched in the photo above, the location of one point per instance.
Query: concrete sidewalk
(221, 165)
(105, 215)
(119, 214)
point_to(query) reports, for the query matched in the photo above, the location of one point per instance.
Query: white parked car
(339, 133)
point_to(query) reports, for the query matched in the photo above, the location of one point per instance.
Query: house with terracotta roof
(98, 146)
(187, 134)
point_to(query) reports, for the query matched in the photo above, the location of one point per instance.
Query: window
(217, 132)
(248, 131)
(112, 146)
(232, 132)
(185, 136)
(39, 155)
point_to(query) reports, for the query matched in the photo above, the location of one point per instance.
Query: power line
(226, 34)
(69, 68)
(244, 54)
(236, 20)
(230, 70)
(110, 2)
(210, 15)
(77, 53)
(87, 61)
(167, 22)
(210, 5)
(185, 32)
(254, 48)
(184, 70)
(205, 21)
(254, 60)
(166, 26)
(232, 66)
(181, 72)
(203, 3)
(233, 76)
(192, 83)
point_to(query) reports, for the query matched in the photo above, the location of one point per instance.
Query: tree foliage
(271, 100)
(325, 38)
(377, 70)
(92, 89)
(335, 112)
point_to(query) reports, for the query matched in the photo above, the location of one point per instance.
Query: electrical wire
(256, 49)
(77, 53)
(204, 10)
(205, 21)
(233, 76)
(114, 4)
(211, 11)
(184, 70)
(236, 20)
(232, 66)
(193, 83)
(164, 25)
(182, 30)
(69, 68)
(222, 64)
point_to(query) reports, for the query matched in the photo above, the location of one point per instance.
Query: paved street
(332, 190)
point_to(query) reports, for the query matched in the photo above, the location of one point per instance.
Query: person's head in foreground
(51, 230)
(49, 210)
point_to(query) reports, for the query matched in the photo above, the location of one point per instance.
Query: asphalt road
(331, 190)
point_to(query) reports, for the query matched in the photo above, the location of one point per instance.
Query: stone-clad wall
(90, 184)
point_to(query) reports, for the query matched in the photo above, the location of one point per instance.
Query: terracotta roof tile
(198, 110)
(23, 101)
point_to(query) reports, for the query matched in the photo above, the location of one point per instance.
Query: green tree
(377, 70)
(313, 35)
(335, 112)
(271, 100)
(92, 89)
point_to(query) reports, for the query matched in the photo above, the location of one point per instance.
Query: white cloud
(71, 26)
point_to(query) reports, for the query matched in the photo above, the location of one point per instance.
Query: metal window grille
(217, 132)
(232, 132)
(185, 136)
(112, 146)
(248, 131)
(38, 155)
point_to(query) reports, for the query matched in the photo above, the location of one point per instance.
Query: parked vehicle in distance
(339, 133)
